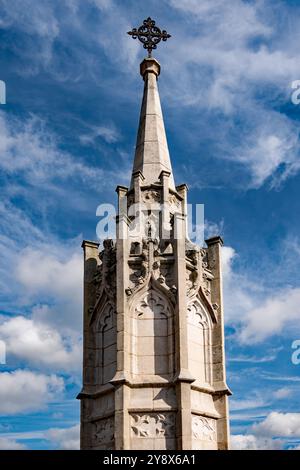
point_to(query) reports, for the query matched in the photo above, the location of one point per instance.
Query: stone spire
(154, 362)
(151, 153)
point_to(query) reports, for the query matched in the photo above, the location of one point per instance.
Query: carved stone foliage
(206, 284)
(147, 261)
(138, 267)
(104, 433)
(204, 257)
(105, 275)
(207, 275)
(167, 274)
(204, 429)
(174, 204)
(191, 280)
(192, 269)
(151, 225)
(150, 196)
(137, 274)
(152, 425)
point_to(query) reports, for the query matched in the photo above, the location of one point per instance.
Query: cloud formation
(24, 391)
(40, 345)
(64, 438)
(11, 444)
(252, 442)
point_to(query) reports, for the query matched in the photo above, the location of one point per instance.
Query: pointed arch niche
(105, 334)
(152, 344)
(199, 342)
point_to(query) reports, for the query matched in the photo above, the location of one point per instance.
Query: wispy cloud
(107, 133)
(234, 54)
(29, 149)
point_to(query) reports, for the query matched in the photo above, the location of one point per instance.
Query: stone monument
(153, 362)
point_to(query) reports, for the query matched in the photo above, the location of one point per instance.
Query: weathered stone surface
(154, 366)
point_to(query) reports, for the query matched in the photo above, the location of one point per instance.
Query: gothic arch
(152, 283)
(105, 333)
(199, 324)
(152, 333)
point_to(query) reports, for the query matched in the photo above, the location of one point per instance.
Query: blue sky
(67, 136)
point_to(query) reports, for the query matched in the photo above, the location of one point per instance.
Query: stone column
(219, 367)
(137, 208)
(123, 352)
(165, 213)
(182, 190)
(91, 261)
(184, 378)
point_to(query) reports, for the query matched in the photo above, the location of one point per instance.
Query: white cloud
(40, 345)
(240, 293)
(56, 274)
(45, 276)
(23, 391)
(11, 444)
(276, 313)
(256, 311)
(64, 438)
(283, 392)
(47, 282)
(251, 442)
(279, 425)
(211, 229)
(54, 282)
(228, 255)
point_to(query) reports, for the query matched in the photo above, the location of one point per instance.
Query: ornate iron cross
(149, 34)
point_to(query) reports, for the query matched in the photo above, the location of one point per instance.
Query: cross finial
(149, 34)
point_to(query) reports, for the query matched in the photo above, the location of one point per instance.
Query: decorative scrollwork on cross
(149, 34)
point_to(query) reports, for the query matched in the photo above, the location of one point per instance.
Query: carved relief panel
(153, 424)
(204, 432)
(103, 434)
(153, 431)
